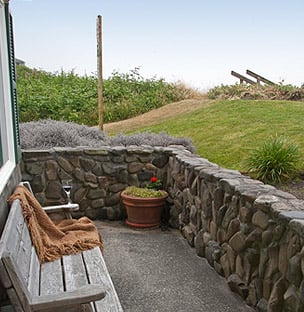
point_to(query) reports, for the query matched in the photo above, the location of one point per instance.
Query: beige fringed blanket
(53, 240)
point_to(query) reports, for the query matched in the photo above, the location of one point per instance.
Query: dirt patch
(155, 116)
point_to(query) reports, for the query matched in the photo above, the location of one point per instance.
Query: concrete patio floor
(157, 271)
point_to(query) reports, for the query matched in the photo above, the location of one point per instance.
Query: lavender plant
(51, 133)
(153, 139)
(44, 134)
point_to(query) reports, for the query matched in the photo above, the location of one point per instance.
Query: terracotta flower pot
(143, 212)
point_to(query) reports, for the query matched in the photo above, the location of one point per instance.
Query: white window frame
(6, 122)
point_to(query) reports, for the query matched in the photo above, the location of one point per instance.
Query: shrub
(275, 161)
(44, 134)
(153, 139)
(69, 97)
(49, 133)
(59, 96)
(257, 92)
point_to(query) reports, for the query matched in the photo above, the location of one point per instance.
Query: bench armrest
(61, 208)
(56, 208)
(76, 297)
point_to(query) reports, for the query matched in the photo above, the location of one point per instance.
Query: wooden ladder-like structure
(258, 78)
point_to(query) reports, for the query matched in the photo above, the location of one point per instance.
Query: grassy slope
(226, 131)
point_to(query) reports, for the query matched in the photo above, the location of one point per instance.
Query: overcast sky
(197, 41)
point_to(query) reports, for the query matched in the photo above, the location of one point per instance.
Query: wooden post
(99, 71)
(242, 78)
(259, 78)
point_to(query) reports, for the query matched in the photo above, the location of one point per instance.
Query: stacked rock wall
(98, 175)
(251, 233)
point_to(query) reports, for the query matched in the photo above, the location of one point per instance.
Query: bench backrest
(19, 264)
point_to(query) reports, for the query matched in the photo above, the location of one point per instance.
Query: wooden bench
(78, 282)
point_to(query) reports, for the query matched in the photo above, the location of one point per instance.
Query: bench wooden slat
(10, 239)
(51, 280)
(9, 244)
(74, 271)
(75, 275)
(23, 255)
(34, 274)
(12, 231)
(98, 272)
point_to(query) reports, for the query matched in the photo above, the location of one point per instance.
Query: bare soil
(295, 187)
(155, 116)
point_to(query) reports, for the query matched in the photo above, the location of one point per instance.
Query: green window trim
(12, 69)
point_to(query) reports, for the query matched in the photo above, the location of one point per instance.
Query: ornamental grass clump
(275, 161)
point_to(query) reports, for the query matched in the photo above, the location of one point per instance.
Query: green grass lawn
(228, 130)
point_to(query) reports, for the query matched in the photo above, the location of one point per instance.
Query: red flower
(153, 179)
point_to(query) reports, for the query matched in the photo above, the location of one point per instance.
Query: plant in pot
(144, 205)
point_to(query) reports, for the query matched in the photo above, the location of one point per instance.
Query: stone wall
(99, 176)
(251, 233)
